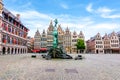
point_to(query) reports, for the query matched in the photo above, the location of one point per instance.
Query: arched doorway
(18, 51)
(21, 51)
(12, 51)
(97, 51)
(3, 50)
(24, 51)
(15, 50)
(8, 50)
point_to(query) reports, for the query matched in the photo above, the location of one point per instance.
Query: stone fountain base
(56, 53)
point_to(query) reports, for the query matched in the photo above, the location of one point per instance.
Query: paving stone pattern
(93, 67)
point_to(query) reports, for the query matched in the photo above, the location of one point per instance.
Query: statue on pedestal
(56, 52)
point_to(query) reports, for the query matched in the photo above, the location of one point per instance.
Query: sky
(88, 16)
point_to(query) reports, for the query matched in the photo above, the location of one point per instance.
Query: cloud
(107, 13)
(64, 6)
(108, 26)
(26, 5)
(36, 20)
(110, 16)
(32, 14)
(103, 12)
(102, 28)
(89, 8)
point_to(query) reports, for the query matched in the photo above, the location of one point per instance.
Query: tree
(80, 44)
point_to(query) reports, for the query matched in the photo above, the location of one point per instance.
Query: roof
(74, 33)
(59, 27)
(37, 33)
(67, 29)
(105, 37)
(43, 49)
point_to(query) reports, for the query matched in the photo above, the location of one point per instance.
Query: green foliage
(80, 44)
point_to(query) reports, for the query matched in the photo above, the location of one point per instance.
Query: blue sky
(89, 16)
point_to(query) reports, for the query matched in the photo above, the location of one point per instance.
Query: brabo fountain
(56, 51)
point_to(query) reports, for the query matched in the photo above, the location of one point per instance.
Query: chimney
(18, 16)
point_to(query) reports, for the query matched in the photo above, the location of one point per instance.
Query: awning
(35, 50)
(43, 49)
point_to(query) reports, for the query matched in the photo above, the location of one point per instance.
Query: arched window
(8, 39)
(12, 40)
(4, 26)
(9, 28)
(16, 31)
(12, 30)
(4, 38)
(16, 41)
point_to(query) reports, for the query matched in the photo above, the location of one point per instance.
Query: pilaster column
(20, 51)
(26, 51)
(17, 51)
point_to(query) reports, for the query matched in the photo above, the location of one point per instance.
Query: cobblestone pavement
(93, 67)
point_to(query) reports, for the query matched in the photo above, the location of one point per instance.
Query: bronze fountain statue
(56, 52)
